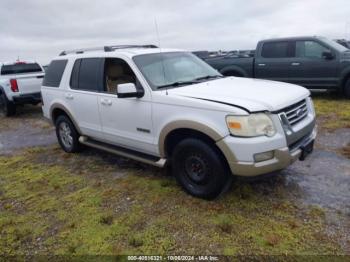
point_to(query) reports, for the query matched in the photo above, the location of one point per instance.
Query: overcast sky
(40, 29)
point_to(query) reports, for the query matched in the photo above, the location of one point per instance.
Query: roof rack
(105, 49)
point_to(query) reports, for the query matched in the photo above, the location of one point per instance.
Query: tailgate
(29, 83)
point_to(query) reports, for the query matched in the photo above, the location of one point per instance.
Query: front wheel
(200, 169)
(6, 107)
(67, 135)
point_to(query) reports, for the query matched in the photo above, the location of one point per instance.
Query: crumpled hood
(251, 94)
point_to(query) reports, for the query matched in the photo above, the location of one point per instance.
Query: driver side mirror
(328, 55)
(129, 90)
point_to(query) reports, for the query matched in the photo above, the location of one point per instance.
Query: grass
(73, 204)
(94, 207)
(332, 111)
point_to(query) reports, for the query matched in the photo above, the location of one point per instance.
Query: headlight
(311, 107)
(259, 124)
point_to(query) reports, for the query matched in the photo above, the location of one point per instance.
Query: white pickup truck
(169, 107)
(20, 83)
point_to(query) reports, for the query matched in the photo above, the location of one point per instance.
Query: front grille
(296, 112)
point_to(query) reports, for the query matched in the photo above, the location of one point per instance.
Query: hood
(251, 94)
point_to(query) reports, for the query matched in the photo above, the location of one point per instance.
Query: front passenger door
(126, 122)
(310, 68)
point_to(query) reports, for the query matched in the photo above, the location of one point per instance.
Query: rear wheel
(7, 108)
(200, 169)
(347, 89)
(67, 135)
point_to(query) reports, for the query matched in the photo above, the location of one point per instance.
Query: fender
(188, 124)
(344, 75)
(234, 68)
(64, 109)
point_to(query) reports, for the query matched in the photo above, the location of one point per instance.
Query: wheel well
(175, 136)
(233, 73)
(58, 112)
(346, 78)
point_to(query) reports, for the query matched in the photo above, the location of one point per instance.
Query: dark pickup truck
(313, 62)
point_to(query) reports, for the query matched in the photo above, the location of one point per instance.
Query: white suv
(169, 107)
(20, 83)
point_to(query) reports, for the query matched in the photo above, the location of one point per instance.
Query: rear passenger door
(86, 83)
(273, 61)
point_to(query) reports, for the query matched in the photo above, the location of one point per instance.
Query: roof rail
(105, 49)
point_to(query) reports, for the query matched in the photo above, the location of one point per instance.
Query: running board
(144, 158)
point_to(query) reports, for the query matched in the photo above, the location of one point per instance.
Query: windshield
(335, 45)
(173, 68)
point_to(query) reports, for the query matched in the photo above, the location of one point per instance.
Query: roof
(128, 52)
(291, 38)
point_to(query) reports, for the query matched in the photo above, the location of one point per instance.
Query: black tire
(233, 73)
(7, 108)
(346, 90)
(199, 169)
(67, 135)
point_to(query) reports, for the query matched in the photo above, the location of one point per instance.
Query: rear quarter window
(21, 68)
(54, 73)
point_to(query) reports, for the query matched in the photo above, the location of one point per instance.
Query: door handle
(261, 64)
(69, 96)
(295, 64)
(106, 102)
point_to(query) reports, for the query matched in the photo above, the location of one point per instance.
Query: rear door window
(54, 73)
(87, 74)
(21, 68)
(281, 49)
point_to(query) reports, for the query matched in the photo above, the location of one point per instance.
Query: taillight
(14, 85)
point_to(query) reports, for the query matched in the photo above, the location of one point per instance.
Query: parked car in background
(172, 108)
(20, 83)
(313, 62)
(343, 42)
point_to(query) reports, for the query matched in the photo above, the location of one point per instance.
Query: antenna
(161, 54)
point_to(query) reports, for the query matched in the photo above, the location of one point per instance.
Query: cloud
(40, 29)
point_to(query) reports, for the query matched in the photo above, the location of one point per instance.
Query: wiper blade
(208, 77)
(178, 83)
